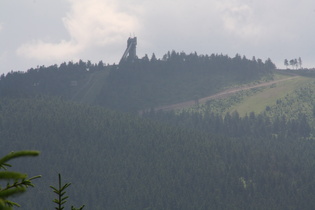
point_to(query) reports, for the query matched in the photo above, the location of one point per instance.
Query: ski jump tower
(130, 53)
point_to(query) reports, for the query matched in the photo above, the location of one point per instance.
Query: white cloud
(49, 51)
(238, 18)
(90, 23)
(98, 29)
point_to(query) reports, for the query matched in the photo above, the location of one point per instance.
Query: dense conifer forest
(127, 162)
(117, 159)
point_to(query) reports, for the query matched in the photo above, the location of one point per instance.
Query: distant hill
(68, 80)
(142, 84)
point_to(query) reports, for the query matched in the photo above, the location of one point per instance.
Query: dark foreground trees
(61, 199)
(17, 183)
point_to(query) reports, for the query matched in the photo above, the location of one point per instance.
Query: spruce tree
(62, 199)
(17, 183)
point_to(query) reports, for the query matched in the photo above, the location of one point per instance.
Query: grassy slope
(268, 96)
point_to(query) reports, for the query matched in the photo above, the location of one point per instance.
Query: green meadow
(268, 96)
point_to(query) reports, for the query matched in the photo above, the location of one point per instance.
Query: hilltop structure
(130, 53)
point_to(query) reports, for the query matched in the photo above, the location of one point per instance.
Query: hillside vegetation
(178, 77)
(210, 157)
(270, 95)
(289, 98)
(139, 85)
(119, 161)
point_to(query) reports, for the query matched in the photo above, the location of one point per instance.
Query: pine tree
(62, 199)
(17, 183)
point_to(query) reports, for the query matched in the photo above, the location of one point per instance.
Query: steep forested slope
(118, 161)
(137, 85)
(178, 77)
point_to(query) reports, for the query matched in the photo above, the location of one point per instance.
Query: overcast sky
(47, 32)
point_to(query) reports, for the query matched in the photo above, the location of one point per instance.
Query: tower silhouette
(130, 53)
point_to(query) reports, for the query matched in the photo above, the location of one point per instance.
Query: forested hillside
(178, 77)
(64, 80)
(119, 161)
(142, 84)
(203, 158)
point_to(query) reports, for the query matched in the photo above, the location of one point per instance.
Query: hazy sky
(47, 32)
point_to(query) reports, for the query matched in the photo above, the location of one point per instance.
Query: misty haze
(157, 104)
